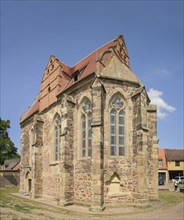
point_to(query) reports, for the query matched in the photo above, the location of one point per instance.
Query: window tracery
(117, 126)
(86, 132)
(57, 139)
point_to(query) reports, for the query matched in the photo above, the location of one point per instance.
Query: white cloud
(162, 106)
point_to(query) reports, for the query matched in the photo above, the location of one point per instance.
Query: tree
(7, 147)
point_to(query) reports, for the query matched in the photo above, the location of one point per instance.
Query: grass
(19, 204)
(5, 199)
(22, 208)
(31, 207)
(26, 206)
(170, 198)
(9, 201)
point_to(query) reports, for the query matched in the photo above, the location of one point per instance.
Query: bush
(181, 186)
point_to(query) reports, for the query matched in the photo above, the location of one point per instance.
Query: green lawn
(170, 198)
(30, 209)
(15, 203)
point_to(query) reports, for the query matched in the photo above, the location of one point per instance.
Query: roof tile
(174, 155)
(88, 64)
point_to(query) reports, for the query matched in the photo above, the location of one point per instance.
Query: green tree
(7, 147)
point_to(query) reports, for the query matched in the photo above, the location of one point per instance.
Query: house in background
(175, 162)
(10, 173)
(170, 165)
(162, 168)
(12, 164)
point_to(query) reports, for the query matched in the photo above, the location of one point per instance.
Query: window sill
(117, 157)
(54, 163)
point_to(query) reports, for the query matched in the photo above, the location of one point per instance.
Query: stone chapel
(90, 136)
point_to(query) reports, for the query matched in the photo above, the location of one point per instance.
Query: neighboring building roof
(161, 156)
(174, 154)
(88, 66)
(10, 164)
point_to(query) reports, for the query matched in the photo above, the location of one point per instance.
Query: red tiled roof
(12, 164)
(88, 65)
(161, 156)
(174, 154)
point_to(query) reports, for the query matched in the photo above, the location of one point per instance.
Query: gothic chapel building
(90, 136)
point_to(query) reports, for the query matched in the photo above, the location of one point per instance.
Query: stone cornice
(152, 108)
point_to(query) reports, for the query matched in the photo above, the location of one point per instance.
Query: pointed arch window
(83, 135)
(57, 139)
(86, 132)
(117, 127)
(89, 134)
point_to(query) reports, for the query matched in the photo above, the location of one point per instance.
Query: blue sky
(153, 30)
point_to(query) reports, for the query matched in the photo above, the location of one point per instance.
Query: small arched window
(86, 132)
(57, 139)
(117, 127)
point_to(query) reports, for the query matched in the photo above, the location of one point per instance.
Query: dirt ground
(16, 208)
(175, 212)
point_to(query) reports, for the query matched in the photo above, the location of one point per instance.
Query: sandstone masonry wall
(74, 179)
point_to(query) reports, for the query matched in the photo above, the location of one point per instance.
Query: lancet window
(86, 132)
(57, 139)
(117, 127)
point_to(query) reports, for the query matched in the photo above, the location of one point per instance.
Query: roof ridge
(94, 51)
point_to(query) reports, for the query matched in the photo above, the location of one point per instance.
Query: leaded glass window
(89, 134)
(83, 135)
(121, 133)
(113, 132)
(117, 127)
(86, 131)
(57, 132)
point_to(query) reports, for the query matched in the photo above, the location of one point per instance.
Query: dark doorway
(29, 185)
(161, 178)
(173, 174)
